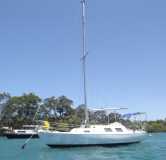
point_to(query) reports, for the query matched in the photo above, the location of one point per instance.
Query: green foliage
(156, 126)
(4, 98)
(20, 109)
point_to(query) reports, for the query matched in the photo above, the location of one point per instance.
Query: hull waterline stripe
(90, 145)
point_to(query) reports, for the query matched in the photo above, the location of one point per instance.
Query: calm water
(153, 148)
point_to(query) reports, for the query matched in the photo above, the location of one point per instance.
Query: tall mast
(84, 54)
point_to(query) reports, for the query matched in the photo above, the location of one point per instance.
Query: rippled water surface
(153, 148)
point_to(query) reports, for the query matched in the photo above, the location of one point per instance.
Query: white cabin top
(112, 128)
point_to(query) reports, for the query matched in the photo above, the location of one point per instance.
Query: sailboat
(91, 135)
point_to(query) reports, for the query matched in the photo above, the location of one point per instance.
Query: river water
(153, 148)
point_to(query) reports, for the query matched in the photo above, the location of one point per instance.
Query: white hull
(62, 139)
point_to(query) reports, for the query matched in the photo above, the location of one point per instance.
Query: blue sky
(40, 50)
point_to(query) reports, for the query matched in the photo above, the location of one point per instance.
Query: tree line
(16, 111)
(29, 108)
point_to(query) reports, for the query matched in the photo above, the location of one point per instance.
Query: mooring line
(28, 139)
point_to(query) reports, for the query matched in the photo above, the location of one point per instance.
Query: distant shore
(157, 126)
(16, 111)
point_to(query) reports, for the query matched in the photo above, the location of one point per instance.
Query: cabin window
(86, 131)
(108, 129)
(119, 129)
(21, 131)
